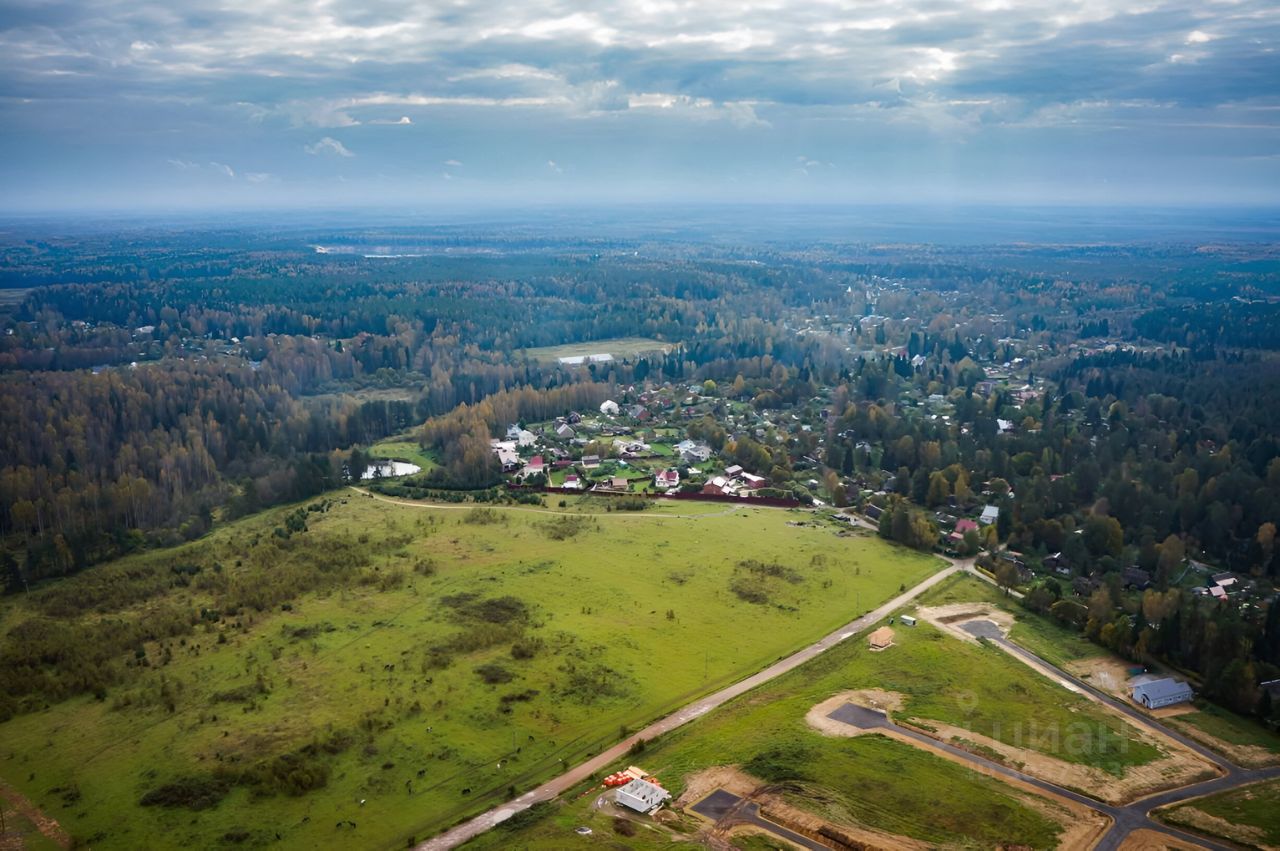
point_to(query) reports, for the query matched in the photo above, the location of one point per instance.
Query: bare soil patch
(1106, 674)
(871, 698)
(728, 777)
(948, 618)
(1151, 840)
(48, 826)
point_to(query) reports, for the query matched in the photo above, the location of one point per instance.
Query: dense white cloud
(707, 93)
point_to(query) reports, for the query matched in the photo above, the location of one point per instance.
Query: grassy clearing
(619, 347)
(399, 449)
(1249, 815)
(410, 665)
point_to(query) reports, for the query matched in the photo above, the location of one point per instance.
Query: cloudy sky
(265, 103)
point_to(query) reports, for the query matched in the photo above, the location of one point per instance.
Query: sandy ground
(1214, 826)
(1082, 826)
(50, 828)
(949, 617)
(1109, 675)
(703, 783)
(1150, 840)
(872, 698)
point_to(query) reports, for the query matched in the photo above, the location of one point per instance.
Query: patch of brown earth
(871, 698)
(728, 777)
(950, 617)
(1153, 840)
(1109, 675)
(22, 804)
(1215, 826)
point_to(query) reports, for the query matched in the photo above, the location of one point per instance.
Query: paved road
(727, 809)
(470, 829)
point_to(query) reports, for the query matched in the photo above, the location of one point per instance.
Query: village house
(534, 467)
(666, 479)
(590, 462)
(565, 431)
(990, 514)
(572, 482)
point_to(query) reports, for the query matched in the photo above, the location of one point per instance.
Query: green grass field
(873, 780)
(1249, 815)
(619, 347)
(409, 664)
(401, 449)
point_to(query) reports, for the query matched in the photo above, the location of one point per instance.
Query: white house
(990, 514)
(642, 796)
(666, 479)
(572, 482)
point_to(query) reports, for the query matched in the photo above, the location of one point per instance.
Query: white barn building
(1158, 693)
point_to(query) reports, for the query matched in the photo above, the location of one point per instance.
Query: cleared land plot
(619, 347)
(877, 782)
(1249, 815)
(441, 657)
(1241, 740)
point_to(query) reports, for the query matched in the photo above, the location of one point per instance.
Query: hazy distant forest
(153, 385)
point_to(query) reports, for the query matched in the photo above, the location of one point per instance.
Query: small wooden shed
(881, 639)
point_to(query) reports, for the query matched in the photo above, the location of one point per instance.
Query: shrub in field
(624, 827)
(787, 761)
(483, 516)
(526, 648)
(192, 793)
(494, 673)
(564, 527)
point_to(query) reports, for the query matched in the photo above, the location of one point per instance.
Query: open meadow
(359, 673)
(873, 783)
